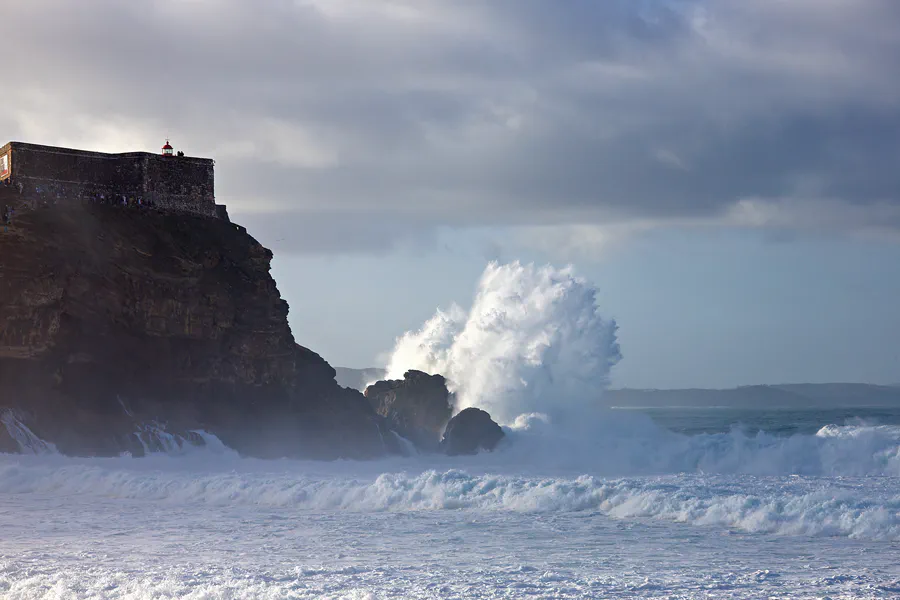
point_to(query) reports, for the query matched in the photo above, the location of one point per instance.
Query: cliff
(120, 327)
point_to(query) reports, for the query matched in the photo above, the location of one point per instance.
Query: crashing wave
(27, 441)
(533, 342)
(614, 444)
(155, 439)
(535, 352)
(801, 506)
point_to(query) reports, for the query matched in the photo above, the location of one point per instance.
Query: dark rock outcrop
(470, 431)
(416, 407)
(116, 321)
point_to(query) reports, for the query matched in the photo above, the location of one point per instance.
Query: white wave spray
(27, 441)
(535, 353)
(533, 342)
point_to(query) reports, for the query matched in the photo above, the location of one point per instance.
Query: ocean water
(577, 502)
(775, 421)
(209, 525)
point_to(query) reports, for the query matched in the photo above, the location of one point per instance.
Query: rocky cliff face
(416, 407)
(117, 324)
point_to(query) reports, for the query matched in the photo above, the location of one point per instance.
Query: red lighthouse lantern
(168, 150)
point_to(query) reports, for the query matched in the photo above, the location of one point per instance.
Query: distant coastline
(793, 395)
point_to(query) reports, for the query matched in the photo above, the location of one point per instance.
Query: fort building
(164, 181)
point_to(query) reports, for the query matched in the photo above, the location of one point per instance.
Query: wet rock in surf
(416, 407)
(470, 431)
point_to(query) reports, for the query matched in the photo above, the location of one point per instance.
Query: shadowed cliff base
(116, 320)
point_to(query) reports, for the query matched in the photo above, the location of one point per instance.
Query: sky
(724, 171)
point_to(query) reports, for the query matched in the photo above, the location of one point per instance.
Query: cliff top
(14, 145)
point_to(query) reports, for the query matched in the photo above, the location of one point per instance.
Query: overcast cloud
(347, 125)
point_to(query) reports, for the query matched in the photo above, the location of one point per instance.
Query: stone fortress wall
(53, 175)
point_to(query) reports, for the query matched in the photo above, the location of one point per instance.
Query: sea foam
(802, 506)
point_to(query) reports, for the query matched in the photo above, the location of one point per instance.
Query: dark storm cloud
(347, 124)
